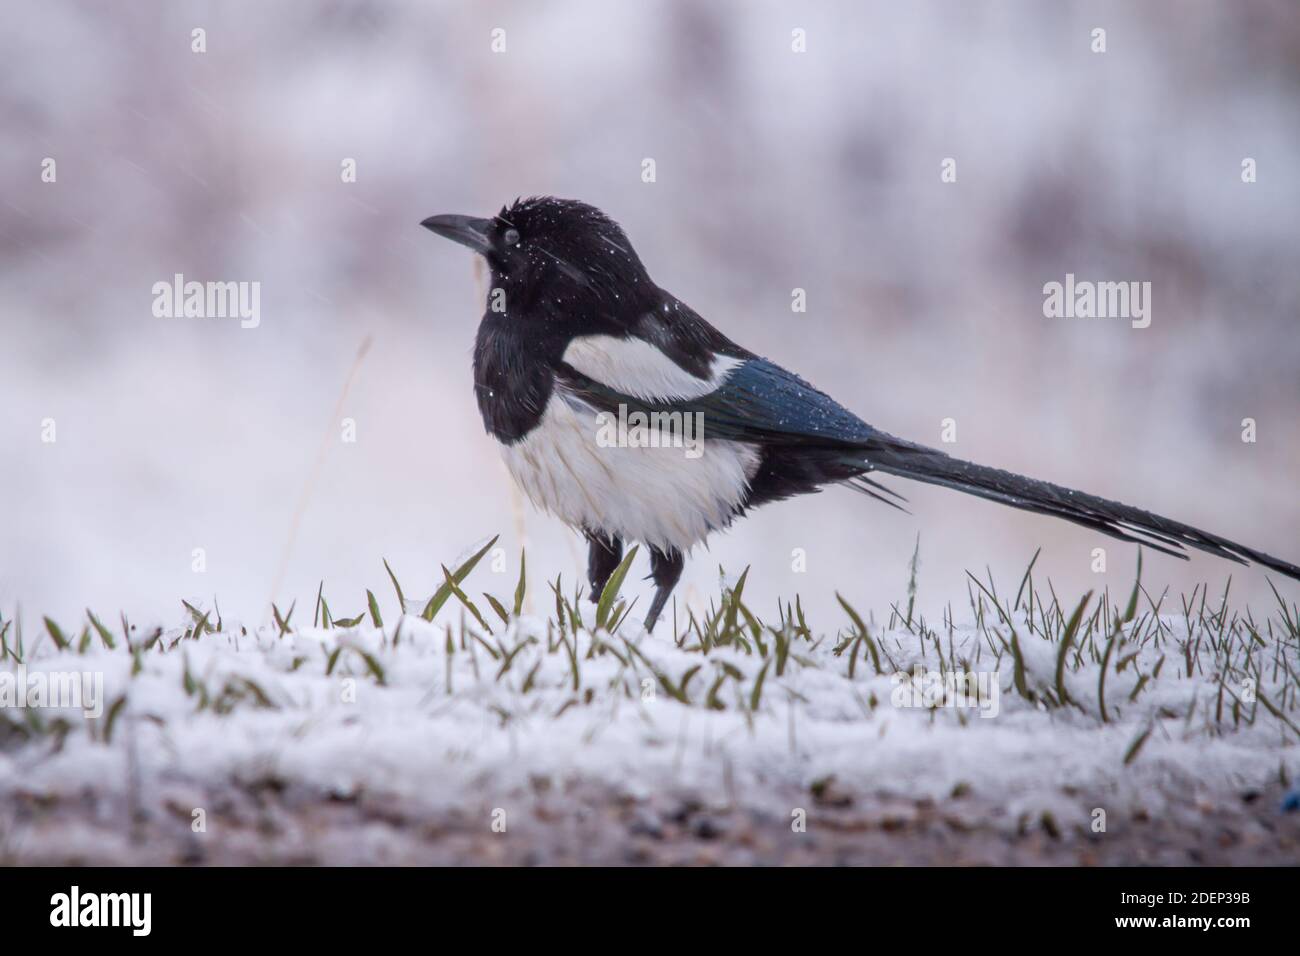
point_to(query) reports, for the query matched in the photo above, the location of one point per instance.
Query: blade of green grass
(609, 594)
(104, 635)
(60, 640)
(1067, 639)
(401, 601)
(451, 580)
(521, 587)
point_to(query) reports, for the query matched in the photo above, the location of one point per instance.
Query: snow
(412, 744)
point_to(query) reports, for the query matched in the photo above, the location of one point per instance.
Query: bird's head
(553, 252)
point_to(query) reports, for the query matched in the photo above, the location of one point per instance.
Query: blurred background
(774, 170)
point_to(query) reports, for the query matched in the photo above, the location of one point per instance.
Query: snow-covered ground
(457, 740)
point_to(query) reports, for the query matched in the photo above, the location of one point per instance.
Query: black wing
(758, 401)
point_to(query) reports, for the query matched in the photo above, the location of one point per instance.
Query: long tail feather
(896, 457)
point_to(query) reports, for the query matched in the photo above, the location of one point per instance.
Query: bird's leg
(603, 555)
(665, 568)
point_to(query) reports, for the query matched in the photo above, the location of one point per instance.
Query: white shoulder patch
(636, 368)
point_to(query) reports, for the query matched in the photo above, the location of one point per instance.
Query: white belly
(667, 497)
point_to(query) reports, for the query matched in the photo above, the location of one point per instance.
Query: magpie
(576, 333)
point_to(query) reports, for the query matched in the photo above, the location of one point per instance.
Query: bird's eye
(511, 237)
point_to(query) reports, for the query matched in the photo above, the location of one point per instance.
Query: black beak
(466, 230)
